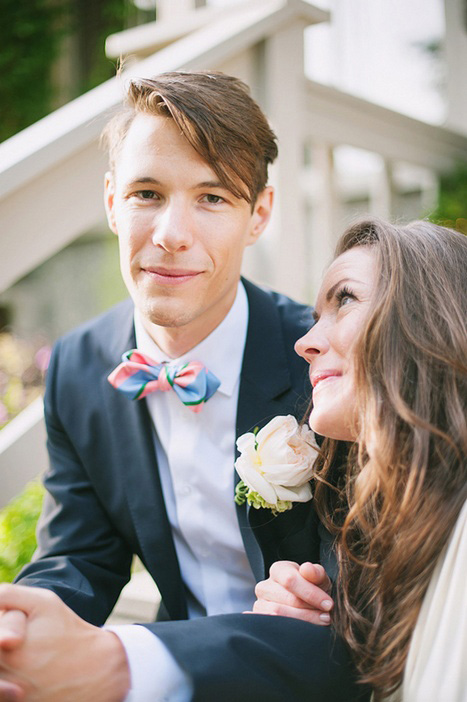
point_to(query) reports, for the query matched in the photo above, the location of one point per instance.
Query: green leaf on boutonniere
(241, 492)
(255, 431)
(244, 494)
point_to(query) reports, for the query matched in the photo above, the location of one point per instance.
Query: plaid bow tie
(138, 375)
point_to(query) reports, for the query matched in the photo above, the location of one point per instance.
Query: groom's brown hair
(218, 117)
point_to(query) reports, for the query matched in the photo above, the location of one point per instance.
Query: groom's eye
(213, 199)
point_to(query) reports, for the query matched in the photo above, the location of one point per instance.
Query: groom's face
(181, 233)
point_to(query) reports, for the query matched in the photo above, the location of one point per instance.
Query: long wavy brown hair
(393, 501)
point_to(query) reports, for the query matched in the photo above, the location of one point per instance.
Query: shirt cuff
(155, 674)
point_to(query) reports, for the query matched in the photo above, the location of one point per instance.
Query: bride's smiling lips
(170, 276)
(318, 377)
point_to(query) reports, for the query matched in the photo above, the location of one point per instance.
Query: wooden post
(382, 192)
(325, 214)
(284, 96)
(455, 46)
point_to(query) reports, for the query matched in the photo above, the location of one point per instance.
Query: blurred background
(368, 99)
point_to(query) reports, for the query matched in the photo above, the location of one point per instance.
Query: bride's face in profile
(342, 305)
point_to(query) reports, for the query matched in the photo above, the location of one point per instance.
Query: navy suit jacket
(105, 502)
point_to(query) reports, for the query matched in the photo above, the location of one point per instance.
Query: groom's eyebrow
(145, 179)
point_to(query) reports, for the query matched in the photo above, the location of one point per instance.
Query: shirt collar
(221, 351)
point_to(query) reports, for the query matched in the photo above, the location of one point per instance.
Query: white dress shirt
(195, 455)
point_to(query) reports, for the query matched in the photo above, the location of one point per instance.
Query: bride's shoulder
(434, 669)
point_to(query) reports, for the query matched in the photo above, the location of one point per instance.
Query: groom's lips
(170, 276)
(319, 376)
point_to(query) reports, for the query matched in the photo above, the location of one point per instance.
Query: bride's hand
(301, 592)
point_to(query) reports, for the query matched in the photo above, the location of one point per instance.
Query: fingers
(289, 576)
(315, 573)
(273, 592)
(27, 599)
(9, 692)
(12, 629)
(312, 616)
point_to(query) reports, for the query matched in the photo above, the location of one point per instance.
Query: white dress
(436, 669)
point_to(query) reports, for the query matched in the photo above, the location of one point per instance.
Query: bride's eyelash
(343, 293)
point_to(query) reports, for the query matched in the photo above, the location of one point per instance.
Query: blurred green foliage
(30, 36)
(91, 22)
(18, 530)
(451, 210)
(32, 46)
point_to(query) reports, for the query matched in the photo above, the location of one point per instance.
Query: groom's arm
(254, 658)
(227, 657)
(80, 556)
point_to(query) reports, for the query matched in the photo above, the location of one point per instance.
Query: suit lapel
(265, 377)
(137, 467)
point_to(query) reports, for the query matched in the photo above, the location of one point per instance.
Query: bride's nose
(312, 343)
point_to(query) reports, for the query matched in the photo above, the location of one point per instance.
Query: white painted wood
(382, 192)
(50, 211)
(284, 106)
(325, 221)
(455, 48)
(167, 9)
(145, 39)
(335, 117)
(241, 66)
(23, 454)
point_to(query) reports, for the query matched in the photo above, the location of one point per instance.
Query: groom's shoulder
(99, 330)
(294, 316)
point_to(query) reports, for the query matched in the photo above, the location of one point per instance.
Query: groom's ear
(109, 197)
(261, 214)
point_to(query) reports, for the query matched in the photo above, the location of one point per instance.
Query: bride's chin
(330, 425)
(318, 423)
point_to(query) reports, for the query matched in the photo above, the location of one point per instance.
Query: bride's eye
(344, 296)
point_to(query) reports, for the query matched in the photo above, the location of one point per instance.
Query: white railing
(22, 451)
(335, 117)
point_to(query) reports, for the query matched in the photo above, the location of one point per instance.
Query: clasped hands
(49, 654)
(297, 591)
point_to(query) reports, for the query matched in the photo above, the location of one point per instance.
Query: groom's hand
(301, 592)
(49, 654)
(12, 633)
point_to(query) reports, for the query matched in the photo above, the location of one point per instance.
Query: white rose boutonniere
(275, 465)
